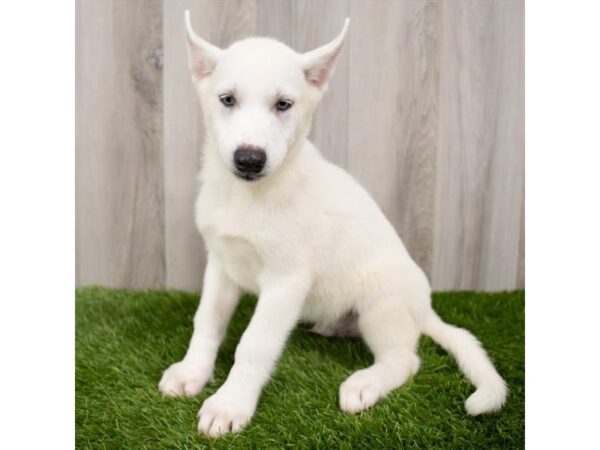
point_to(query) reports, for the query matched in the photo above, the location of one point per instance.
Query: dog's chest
(237, 256)
(229, 239)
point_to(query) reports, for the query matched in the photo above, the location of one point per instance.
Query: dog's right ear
(202, 56)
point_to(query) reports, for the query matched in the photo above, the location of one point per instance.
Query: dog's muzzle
(249, 162)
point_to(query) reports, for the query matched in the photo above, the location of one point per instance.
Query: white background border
(562, 223)
(37, 225)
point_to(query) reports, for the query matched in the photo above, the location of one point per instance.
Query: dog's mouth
(248, 176)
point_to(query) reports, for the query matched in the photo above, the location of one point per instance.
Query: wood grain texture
(394, 66)
(119, 181)
(221, 23)
(481, 146)
(521, 262)
(425, 109)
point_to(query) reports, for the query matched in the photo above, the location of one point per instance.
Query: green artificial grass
(125, 339)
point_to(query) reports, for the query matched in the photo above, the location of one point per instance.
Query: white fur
(307, 238)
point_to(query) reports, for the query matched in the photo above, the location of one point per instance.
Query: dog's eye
(228, 100)
(283, 105)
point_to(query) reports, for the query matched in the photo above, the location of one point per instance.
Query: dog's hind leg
(391, 333)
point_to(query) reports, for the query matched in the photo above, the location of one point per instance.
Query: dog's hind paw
(184, 379)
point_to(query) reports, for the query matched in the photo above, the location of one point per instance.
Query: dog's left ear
(319, 63)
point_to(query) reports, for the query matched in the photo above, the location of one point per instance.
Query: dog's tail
(473, 361)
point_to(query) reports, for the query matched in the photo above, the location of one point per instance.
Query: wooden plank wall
(119, 154)
(426, 110)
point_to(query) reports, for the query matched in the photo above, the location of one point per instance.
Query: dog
(280, 221)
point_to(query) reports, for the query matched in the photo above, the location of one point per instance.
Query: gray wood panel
(221, 23)
(521, 262)
(393, 110)
(426, 110)
(119, 183)
(480, 149)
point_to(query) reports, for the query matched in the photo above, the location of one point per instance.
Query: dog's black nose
(249, 160)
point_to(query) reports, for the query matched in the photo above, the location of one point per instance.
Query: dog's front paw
(184, 379)
(359, 392)
(225, 412)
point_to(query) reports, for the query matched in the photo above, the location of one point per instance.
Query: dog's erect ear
(319, 63)
(202, 56)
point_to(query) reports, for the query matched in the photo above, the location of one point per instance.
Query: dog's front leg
(276, 314)
(219, 299)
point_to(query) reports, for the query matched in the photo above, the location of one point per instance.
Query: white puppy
(280, 221)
